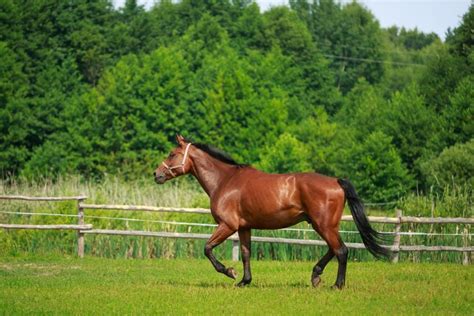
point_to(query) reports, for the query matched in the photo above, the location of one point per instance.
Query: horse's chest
(225, 207)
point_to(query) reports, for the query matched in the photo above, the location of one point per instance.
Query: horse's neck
(210, 172)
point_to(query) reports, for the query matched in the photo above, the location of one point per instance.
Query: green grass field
(68, 285)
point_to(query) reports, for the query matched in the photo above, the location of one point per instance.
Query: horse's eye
(171, 155)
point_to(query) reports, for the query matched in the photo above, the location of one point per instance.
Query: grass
(68, 285)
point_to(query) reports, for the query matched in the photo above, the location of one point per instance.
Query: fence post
(235, 250)
(466, 254)
(80, 236)
(396, 240)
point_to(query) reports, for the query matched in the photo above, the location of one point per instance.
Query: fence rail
(58, 226)
(43, 198)
(83, 228)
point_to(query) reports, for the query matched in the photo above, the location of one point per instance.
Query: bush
(376, 169)
(454, 166)
(286, 155)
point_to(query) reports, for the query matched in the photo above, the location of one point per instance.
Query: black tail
(370, 237)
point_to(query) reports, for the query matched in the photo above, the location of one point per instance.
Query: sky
(426, 15)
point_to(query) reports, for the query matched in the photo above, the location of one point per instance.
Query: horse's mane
(218, 154)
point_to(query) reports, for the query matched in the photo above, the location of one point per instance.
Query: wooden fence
(82, 228)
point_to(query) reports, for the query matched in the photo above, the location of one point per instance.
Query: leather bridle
(170, 169)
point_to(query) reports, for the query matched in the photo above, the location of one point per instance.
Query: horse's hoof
(337, 287)
(231, 273)
(243, 283)
(315, 281)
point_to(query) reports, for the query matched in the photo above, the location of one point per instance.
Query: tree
(287, 154)
(133, 31)
(237, 108)
(315, 87)
(440, 77)
(203, 37)
(454, 166)
(411, 39)
(15, 124)
(320, 136)
(414, 127)
(459, 115)
(376, 169)
(362, 109)
(461, 39)
(124, 123)
(249, 28)
(348, 35)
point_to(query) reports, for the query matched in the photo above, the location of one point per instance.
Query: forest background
(92, 90)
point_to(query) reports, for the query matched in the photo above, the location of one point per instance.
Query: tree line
(317, 85)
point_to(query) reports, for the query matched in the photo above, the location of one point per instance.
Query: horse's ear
(180, 139)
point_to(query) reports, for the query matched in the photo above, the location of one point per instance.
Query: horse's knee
(208, 250)
(245, 253)
(342, 253)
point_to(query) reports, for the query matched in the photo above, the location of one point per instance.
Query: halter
(170, 169)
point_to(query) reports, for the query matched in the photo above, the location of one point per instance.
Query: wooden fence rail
(83, 228)
(346, 218)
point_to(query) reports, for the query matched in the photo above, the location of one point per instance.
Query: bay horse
(244, 198)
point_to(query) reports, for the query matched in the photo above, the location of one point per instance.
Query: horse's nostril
(154, 173)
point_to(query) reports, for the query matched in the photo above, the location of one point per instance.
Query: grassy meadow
(67, 285)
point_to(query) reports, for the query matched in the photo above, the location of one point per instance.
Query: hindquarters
(322, 199)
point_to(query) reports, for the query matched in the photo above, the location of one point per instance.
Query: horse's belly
(266, 219)
(271, 202)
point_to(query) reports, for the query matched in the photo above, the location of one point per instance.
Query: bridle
(170, 169)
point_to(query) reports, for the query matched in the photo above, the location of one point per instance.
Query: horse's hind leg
(221, 234)
(341, 255)
(330, 233)
(319, 267)
(337, 248)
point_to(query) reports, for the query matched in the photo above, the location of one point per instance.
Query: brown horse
(243, 198)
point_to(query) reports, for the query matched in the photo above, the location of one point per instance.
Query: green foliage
(461, 38)
(454, 166)
(376, 169)
(363, 109)
(287, 154)
(238, 107)
(410, 39)
(345, 34)
(440, 77)
(91, 89)
(411, 124)
(14, 116)
(323, 139)
(459, 115)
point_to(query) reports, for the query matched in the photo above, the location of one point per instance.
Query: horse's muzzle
(160, 178)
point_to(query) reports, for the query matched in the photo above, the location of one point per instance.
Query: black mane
(218, 154)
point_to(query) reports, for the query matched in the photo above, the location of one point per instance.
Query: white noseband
(170, 169)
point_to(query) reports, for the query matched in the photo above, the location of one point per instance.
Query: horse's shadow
(230, 285)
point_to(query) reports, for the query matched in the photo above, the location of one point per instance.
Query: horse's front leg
(244, 236)
(221, 234)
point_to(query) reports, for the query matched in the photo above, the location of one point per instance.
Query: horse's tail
(370, 237)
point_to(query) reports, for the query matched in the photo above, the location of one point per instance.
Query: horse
(244, 198)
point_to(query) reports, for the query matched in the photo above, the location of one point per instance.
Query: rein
(170, 169)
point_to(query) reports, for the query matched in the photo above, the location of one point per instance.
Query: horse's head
(176, 164)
